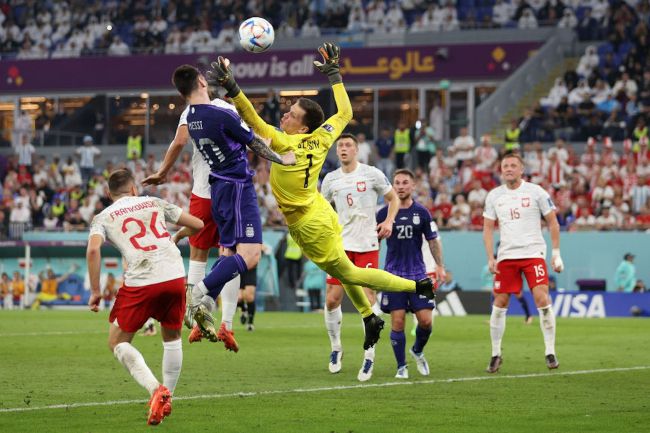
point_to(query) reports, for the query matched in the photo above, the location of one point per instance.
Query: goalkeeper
(312, 221)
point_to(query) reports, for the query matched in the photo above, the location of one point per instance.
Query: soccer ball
(256, 35)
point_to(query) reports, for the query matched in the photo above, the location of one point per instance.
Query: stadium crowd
(74, 28)
(599, 189)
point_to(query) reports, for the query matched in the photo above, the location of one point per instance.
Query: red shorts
(369, 259)
(164, 301)
(508, 276)
(208, 236)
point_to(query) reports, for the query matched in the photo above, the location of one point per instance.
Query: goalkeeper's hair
(314, 115)
(186, 79)
(119, 182)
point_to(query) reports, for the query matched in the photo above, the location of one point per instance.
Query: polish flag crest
(361, 186)
(525, 202)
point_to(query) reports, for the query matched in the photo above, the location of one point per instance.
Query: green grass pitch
(57, 375)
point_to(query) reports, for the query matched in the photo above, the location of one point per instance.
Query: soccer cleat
(205, 322)
(195, 335)
(160, 405)
(552, 362)
(188, 320)
(528, 320)
(228, 338)
(365, 373)
(335, 364)
(244, 317)
(402, 372)
(495, 364)
(373, 325)
(424, 287)
(250, 327)
(421, 362)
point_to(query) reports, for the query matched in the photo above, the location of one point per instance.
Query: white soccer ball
(256, 35)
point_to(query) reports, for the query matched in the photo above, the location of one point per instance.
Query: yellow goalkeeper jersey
(295, 187)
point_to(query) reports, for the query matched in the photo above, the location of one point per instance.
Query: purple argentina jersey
(404, 254)
(221, 137)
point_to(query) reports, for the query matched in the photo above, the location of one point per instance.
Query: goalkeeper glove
(220, 74)
(330, 66)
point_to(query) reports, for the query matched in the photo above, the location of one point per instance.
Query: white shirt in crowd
(87, 156)
(518, 212)
(151, 257)
(25, 152)
(355, 197)
(464, 147)
(200, 168)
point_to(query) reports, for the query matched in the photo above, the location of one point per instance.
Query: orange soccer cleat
(228, 338)
(195, 335)
(160, 405)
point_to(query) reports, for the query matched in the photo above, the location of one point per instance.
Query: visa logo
(580, 305)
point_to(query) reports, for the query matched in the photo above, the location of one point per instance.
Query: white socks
(133, 361)
(171, 363)
(333, 320)
(229, 296)
(196, 272)
(377, 309)
(497, 328)
(547, 323)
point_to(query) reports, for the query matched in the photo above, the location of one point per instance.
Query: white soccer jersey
(200, 168)
(519, 213)
(355, 196)
(137, 227)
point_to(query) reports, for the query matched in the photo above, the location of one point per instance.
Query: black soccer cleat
(373, 326)
(495, 364)
(424, 287)
(552, 362)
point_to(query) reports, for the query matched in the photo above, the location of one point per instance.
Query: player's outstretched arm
(175, 147)
(261, 147)
(385, 228)
(331, 54)
(221, 75)
(94, 261)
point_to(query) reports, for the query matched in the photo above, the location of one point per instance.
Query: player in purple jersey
(221, 137)
(404, 258)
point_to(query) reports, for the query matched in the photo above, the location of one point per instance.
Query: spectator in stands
(309, 29)
(385, 145)
(25, 151)
(587, 28)
(625, 86)
(555, 95)
(402, 141)
(485, 155)
(437, 120)
(364, 152)
(425, 145)
(71, 173)
(501, 13)
(512, 134)
(568, 20)
(134, 146)
(5, 292)
(527, 20)
(87, 154)
(18, 288)
(118, 47)
(625, 277)
(464, 147)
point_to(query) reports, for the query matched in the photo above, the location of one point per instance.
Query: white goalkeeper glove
(556, 260)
